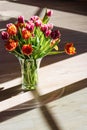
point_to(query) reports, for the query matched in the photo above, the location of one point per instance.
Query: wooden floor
(59, 103)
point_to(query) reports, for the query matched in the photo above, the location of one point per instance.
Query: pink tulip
(30, 26)
(47, 33)
(34, 18)
(38, 22)
(44, 27)
(49, 12)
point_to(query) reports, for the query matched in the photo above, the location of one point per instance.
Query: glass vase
(29, 73)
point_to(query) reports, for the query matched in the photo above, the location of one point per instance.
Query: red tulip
(27, 49)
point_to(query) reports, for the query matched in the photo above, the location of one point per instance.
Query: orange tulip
(70, 49)
(26, 34)
(11, 45)
(11, 29)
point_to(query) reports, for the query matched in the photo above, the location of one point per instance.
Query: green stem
(29, 73)
(18, 54)
(55, 52)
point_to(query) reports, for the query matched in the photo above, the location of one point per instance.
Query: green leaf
(55, 52)
(37, 40)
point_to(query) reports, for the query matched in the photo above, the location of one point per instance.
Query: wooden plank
(16, 100)
(30, 120)
(51, 78)
(11, 83)
(71, 111)
(62, 74)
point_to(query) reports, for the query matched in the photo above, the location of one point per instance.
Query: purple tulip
(55, 34)
(21, 19)
(5, 35)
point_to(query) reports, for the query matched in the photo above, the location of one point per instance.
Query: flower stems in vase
(29, 71)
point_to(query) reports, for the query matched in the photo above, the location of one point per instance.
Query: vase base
(28, 88)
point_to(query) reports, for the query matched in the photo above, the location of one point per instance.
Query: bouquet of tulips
(34, 38)
(30, 41)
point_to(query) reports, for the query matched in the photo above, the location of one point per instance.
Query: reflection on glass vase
(29, 72)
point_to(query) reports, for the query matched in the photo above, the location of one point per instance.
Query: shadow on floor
(40, 101)
(75, 6)
(45, 111)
